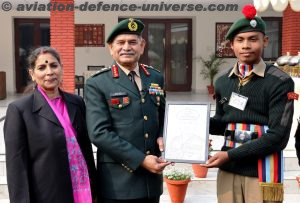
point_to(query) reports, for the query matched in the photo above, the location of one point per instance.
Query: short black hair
(42, 50)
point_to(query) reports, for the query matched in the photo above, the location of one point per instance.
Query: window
(29, 34)
(89, 35)
(273, 31)
(169, 49)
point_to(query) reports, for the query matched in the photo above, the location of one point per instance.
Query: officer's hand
(160, 142)
(217, 160)
(154, 164)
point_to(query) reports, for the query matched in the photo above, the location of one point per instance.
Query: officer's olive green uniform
(125, 124)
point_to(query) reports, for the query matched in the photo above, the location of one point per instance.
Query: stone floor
(291, 198)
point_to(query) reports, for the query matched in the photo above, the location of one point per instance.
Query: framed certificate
(186, 132)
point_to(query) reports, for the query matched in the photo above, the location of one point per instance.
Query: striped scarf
(245, 70)
(270, 168)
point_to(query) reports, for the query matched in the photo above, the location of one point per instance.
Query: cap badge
(132, 26)
(253, 23)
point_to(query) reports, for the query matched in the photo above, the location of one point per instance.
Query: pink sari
(78, 168)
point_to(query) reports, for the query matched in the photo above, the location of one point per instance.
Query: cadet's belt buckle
(240, 136)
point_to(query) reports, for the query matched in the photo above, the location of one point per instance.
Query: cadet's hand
(217, 160)
(298, 180)
(160, 142)
(154, 164)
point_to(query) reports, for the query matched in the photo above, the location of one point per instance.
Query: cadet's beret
(249, 23)
(127, 26)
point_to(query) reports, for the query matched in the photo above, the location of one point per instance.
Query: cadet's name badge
(238, 101)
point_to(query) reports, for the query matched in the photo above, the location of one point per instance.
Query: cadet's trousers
(233, 188)
(144, 200)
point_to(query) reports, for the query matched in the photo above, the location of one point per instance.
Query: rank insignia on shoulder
(150, 67)
(143, 67)
(292, 95)
(101, 71)
(155, 89)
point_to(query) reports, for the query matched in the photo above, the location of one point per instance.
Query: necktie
(131, 78)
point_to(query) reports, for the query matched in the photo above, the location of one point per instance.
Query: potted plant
(177, 181)
(211, 68)
(201, 171)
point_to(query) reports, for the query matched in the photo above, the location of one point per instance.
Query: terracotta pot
(199, 171)
(177, 189)
(211, 89)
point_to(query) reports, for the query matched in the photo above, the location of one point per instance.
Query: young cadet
(125, 114)
(256, 98)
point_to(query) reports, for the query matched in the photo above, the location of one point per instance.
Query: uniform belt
(270, 167)
(237, 134)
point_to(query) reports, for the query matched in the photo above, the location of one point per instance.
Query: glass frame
(188, 119)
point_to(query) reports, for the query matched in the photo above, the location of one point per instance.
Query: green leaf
(211, 67)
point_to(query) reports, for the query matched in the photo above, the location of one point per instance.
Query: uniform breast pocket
(120, 109)
(158, 100)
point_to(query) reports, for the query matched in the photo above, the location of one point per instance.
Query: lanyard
(243, 81)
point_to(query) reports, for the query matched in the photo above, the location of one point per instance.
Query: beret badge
(132, 26)
(253, 23)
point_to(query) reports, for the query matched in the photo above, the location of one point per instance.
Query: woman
(48, 153)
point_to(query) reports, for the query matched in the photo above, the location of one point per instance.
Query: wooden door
(29, 34)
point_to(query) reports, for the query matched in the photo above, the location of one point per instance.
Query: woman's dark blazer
(36, 153)
(297, 142)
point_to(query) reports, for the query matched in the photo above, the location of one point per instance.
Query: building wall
(63, 39)
(291, 24)
(7, 44)
(203, 38)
